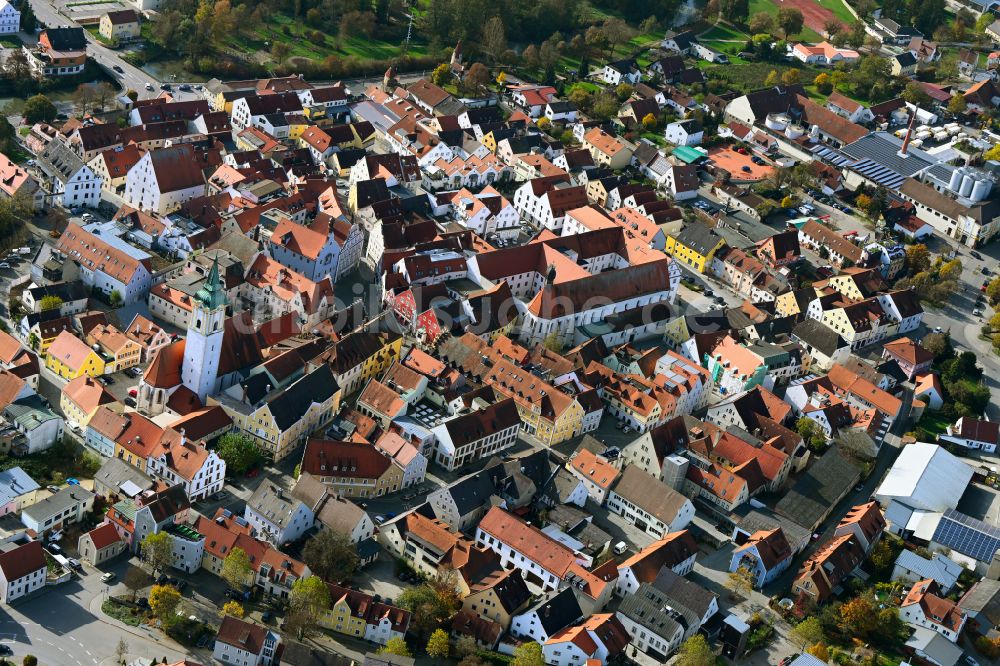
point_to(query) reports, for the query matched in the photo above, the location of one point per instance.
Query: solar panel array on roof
(834, 157)
(880, 174)
(967, 535)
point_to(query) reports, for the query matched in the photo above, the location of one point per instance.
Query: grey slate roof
(64, 499)
(983, 597)
(646, 608)
(59, 161)
(115, 472)
(557, 610)
(273, 503)
(649, 494)
(683, 592)
(817, 491)
(819, 336)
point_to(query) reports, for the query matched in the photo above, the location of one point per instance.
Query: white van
(620, 547)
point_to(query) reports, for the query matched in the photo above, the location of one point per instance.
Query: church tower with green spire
(203, 344)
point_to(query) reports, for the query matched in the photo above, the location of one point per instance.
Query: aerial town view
(511, 333)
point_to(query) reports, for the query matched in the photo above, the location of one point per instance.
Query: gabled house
(600, 638)
(923, 607)
(828, 568)
(675, 551)
(765, 555)
(243, 643)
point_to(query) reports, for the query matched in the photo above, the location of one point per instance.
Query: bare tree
(121, 650)
(494, 38)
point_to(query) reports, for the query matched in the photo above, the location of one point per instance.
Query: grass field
(771, 7)
(839, 10)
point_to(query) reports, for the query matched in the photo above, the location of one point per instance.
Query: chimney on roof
(909, 132)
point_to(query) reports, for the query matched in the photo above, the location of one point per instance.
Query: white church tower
(203, 344)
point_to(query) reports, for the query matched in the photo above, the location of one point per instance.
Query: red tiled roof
(104, 536)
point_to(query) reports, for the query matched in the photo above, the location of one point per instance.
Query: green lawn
(286, 30)
(839, 10)
(722, 32)
(933, 423)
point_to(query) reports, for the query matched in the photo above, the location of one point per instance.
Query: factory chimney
(909, 132)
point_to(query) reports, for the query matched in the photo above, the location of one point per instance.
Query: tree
(441, 74)
(695, 652)
(605, 105)
(28, 20)
(528, 654)
(29, 660)
(431, 604)
(477, 77)
(623, 91)
(736, 11)
(530, 56)
(309, 598)
(50, 302)
(236, 569)
(772, 79)
(163, 601)
(396, 646)
(121, 650)
(437, 645)
(811, 433)
(938, 344)
(233, 608)
(957, 105)
(993, 291)
(134, 580)
(918, 259)
(616, 31)
(33, 341)
(280, 51)
(819, 649)
(823, 83)
(984, 21)
(39, 109)
(808, 632)
(331, 555)
(761, 23)
(859, 616)
(889, 624)
(158, 551)
(740, 582)
(543, 124)
(950, 270)
(115, 299)
(494, 39)
(465, 645)
(790, 21)
(104, 92)
(832, 27)
(790, 77)
(239, 451)
(914, 93)
(649, 122)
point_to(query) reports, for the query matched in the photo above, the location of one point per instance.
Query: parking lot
(742, 167)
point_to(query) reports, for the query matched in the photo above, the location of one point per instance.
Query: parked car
(133, 392)
(130, 402)
(149, 86)
(5, 649)
(976, 255)
(108, 577)
(379, 519)
(75, 563)
(52, 489)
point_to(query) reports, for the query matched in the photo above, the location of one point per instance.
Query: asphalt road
(60, 626)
